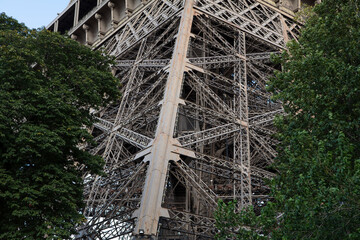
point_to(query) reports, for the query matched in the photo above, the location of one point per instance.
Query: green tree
(48, 84)
(317, 193)
(8, 23)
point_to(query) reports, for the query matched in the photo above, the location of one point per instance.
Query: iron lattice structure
(194, 124)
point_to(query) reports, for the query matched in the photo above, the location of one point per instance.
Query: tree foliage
(8, 23)
(317, 192)
(48, 85)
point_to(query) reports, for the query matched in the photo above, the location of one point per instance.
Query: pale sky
(34, 13)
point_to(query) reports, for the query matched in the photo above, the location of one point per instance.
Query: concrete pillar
(129, 7)
(101, 28)
(76, 13)
(87, 34)
(114, 22)
(56, 26)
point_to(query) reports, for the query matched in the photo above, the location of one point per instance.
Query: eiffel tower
(195, 122)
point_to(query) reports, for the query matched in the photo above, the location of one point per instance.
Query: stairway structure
(194, 124)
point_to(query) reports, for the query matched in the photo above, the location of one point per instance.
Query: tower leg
(150, 209)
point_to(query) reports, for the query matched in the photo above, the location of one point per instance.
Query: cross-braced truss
(194, 124)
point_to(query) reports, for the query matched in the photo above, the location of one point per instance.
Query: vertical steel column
(241, 140)
(150, 208)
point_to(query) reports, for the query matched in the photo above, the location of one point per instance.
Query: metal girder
(156, 64)
(265, 118)
(190, 179)
(195, 122)
(226, 167)
(140, 25)
(248, 16)
(150, 209)
(127, 135)
(220, 117)
(209, 135)
(182, 223)
(213, 98)
(107, 215)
